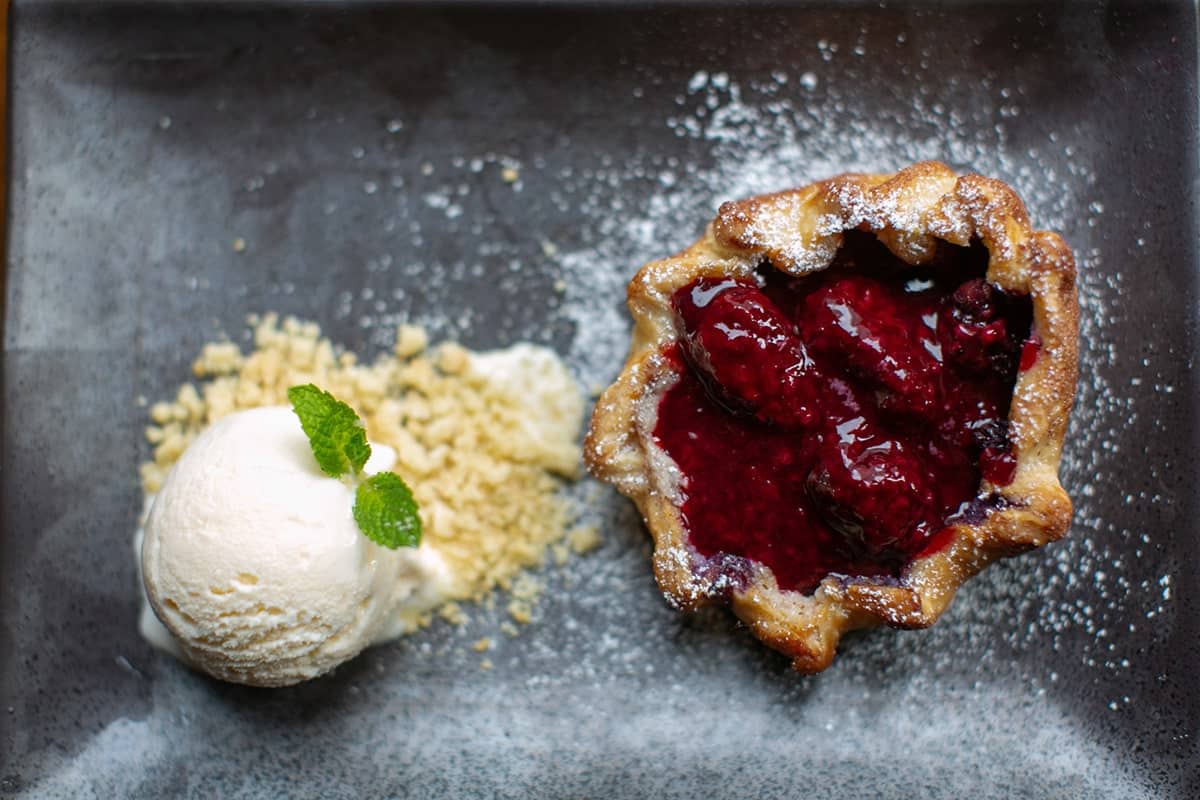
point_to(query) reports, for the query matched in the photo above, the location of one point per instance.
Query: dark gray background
(145, 139)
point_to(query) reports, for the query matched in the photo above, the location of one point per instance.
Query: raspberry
(867, 325)
(875, 494)
(749, 352)
(973, 335)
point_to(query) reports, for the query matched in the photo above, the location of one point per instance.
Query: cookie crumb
(584, 538)
(410, 340)
(521, 611)
(217, 358)
(485, 444)
(452, 612)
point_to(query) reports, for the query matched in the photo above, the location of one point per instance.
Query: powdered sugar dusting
(760, 138)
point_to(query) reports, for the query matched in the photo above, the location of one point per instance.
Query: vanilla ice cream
(252, 560)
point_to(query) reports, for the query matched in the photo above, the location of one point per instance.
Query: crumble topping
(484, 440)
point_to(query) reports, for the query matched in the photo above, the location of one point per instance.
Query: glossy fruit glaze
(832, 424)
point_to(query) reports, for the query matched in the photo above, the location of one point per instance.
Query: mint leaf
(386, 512)
(334, 431)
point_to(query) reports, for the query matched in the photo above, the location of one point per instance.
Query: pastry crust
(799, 232)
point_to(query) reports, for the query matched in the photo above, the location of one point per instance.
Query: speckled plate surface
(499, 174)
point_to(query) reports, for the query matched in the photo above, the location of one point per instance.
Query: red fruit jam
(832, 424)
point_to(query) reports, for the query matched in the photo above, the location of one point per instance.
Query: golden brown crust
(799, 231)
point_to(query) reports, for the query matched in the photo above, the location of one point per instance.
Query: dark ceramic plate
(453, 166)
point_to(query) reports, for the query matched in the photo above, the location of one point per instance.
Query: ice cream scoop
(252, 560)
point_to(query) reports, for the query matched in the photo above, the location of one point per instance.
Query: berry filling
(833, 424)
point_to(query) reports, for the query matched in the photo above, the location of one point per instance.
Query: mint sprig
(384, 507)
